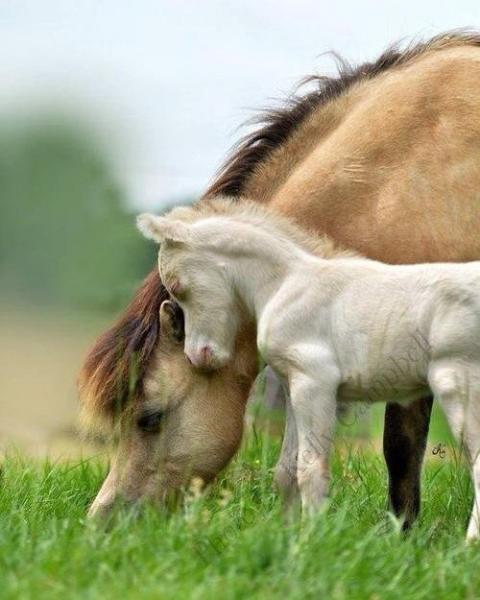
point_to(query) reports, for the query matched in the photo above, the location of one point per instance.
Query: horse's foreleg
(404, 442)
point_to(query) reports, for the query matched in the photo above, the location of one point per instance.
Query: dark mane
(277, 125)
(115, 367)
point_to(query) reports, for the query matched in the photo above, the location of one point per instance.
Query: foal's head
(194, 271)
(206, 256)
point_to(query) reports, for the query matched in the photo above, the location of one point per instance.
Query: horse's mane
(276, 126)
(114, 368)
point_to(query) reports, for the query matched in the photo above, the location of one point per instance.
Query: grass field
(233, 542)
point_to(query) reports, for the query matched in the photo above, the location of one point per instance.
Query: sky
(168, 83)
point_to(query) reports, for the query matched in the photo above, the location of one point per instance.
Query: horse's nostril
(189, 360)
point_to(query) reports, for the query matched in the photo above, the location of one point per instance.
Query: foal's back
(381, 298)
(382, 321)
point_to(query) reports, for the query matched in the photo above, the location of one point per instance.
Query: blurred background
(110, 107)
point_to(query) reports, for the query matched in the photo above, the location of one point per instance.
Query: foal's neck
(259, 274)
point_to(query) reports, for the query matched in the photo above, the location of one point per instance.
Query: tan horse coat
(385, 159)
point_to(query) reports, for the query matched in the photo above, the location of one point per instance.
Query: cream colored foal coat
(338, 328)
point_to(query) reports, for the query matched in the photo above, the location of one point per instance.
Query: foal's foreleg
(404, 442)
(286, 469)
(313, 404)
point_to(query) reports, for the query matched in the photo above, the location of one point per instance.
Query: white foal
(335, 327)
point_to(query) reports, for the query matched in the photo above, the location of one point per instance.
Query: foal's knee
(450, 388)
(287, 485)
(285, 477)
(444, 381)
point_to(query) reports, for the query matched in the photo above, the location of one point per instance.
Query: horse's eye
(149, 422)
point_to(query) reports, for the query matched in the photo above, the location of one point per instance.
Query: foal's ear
(162, 229)
(172, 323)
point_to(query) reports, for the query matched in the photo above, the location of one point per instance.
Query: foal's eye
(178, 289)
(175, 286)
(150, 421)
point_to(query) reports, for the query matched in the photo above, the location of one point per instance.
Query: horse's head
(174, 422)
(195, 274)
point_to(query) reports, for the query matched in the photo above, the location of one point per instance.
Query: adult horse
(385, 159)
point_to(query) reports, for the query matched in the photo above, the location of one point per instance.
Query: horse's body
(332, 328)
(386, 160)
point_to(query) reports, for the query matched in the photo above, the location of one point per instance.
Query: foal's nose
(201, 358)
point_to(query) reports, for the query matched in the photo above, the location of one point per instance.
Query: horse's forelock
(114, 369)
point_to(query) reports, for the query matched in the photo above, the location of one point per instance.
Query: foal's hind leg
(458, 392)
(471, 439)
(404, 442)
(473, 531)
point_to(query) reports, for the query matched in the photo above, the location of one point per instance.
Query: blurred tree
(65, 234)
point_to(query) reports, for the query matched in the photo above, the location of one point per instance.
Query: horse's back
(398, 177)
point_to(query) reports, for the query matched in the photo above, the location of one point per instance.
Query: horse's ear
(172, 323)
(162, 229)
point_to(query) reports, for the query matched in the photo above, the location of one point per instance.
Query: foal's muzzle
(206, 358)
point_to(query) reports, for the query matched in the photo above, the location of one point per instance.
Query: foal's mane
(247, 211)
(115, 367)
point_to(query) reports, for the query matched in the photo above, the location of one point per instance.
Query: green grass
(233, 542)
